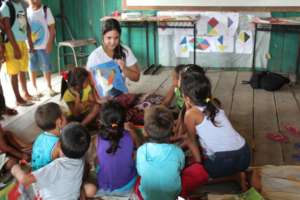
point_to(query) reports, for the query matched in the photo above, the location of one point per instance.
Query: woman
(111, 63)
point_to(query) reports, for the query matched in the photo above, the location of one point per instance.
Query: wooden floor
(252, 112)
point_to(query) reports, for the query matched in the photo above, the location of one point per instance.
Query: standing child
(160, 164)
(16, 52)
(115, 147)
(50, 119)
(225, 150)
(42, 25)
(62, 178)
(77, 92)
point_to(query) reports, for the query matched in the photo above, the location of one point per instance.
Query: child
(179, 101)
(62, 178)
(226, 152)
(174, 89)
(42, 25)
(16, 51)
(115, 147)
(112, 62)
(50, 119)
(160, 164)
(78, 94)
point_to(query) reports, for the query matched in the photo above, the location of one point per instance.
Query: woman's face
(111, 40)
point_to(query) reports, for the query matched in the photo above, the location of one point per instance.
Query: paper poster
(203, 44)
(244, 42)
(181, 42)
(224, 44)
(218, 23)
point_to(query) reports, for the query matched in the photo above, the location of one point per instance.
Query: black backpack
(267, 80)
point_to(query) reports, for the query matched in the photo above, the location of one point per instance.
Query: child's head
(112, 118)
(74, 140)
(49, 117)
(176, 73)
(111, 33)
(77, 79)
(158, 123)
(196, 90)
(192, 68)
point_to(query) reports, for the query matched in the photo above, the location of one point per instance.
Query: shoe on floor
(52, 93)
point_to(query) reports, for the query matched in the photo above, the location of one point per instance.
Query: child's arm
(29, 38)
(22, 177)
(5, 148)
(169, 97)
(189, 122)
(56, 151)
(11, 38)
(77, 106)
(52, 33)
(130, 128)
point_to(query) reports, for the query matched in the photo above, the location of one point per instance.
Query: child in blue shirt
(161, 164)
(50, 119)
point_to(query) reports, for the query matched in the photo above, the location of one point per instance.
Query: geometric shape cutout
(213, 22)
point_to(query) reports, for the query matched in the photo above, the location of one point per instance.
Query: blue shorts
(40, 61)
(227, 163)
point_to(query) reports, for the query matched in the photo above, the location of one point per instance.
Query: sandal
(10, 111)
(291, 129)
(277, 137)
(25, 103)
(296, 157)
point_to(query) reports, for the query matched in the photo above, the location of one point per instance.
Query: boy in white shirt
(42, 25)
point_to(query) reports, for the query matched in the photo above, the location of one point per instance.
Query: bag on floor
(267, 80)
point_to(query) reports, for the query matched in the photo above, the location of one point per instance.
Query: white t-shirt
(60, 179)
(220, 138)
(39, 22)
(106, 72)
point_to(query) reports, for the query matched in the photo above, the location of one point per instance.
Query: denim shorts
(227, 163)
(40, 60)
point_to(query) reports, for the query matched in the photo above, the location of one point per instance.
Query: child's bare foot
(242, 180)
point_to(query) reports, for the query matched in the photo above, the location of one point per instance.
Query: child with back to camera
(50, 119)
(115, 148)
(161, 164)
(226, 153)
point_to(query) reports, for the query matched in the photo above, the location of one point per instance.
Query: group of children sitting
(172, 157)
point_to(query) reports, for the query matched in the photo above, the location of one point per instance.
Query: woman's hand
(121, 63)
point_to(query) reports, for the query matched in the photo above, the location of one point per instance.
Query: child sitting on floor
(225, 150)
(77, 92)
(62, 178)
(179, 101)
(115, 147)
(50, 119)
(161, 165)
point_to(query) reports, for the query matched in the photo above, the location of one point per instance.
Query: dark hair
(158, 123)
(112, 118)
(46, 116)
(110, 25)
(193, 68)
(75, 77)
(75, 140)
(197, 87)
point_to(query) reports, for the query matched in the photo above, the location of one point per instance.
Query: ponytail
(112, 120)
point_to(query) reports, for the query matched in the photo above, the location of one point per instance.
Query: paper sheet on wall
(218, 23)
(244, 42)
(205, 44)
(181, 42)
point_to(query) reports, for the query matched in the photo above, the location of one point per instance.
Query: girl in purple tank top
(115, 150)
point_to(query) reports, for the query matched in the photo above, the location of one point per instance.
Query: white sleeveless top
(220, 138)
